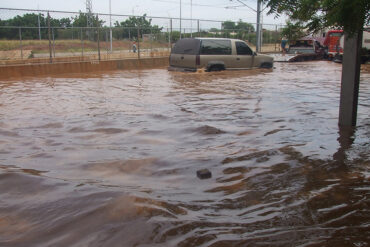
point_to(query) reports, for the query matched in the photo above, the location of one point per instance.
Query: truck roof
(217, 38)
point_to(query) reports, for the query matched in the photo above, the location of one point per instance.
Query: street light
(180, 19)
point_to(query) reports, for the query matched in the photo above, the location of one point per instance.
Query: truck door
(244, 55)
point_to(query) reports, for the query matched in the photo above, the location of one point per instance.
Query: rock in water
(204, 174)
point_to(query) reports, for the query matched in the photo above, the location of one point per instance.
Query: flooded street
(111, 159)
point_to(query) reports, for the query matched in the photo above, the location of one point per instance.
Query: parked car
(215, 54)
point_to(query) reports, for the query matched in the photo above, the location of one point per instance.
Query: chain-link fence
(39, 36)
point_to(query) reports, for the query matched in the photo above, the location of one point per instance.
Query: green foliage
(29, 20)
(32, 20)
(81, 20)
(131, 25)
(229, 25)
(293, 31)
(350, 15)
(240, 25)
(245, 26)
(239, 30)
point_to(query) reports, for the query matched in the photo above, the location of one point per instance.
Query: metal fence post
(138, 42)
(198, 27)
(151, 42)
(106, 41)
(52, 32)
(20, 42)
(49, 35)
(82, 44)
(98, 30)
(169, 39)
(170, 32)
(276, 37)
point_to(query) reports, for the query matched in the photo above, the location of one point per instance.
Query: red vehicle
(332, 42)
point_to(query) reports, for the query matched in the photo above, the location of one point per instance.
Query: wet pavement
(111, 159)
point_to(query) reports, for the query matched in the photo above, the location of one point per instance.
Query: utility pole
(258, 45)
(258, 31)
(350, 79)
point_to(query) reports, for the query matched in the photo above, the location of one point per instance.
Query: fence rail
(39, 36)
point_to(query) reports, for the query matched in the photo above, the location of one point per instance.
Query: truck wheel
(266, 66)
(216, 67)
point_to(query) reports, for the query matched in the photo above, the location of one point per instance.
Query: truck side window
(187, 47)
(243, 49)
(215, 47)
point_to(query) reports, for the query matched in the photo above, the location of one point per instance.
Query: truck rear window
(215, 47)
(187, 46)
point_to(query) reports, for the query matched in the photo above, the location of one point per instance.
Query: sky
(200, 9)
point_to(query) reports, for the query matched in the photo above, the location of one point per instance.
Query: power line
(220, 6)
(244, 4)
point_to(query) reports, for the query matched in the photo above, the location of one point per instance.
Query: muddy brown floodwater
(111, 159)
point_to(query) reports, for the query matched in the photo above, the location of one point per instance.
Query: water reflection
(111, 160)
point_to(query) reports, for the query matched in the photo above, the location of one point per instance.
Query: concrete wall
(14, 71)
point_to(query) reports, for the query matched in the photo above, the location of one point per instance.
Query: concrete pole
(350, 80)
(258, 34)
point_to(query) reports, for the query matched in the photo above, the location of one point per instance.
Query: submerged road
(111, 159)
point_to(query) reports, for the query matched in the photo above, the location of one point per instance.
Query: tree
(65, 22)
(245, 26)
(27, 20)
(229, 25)
(349, 15)
(131, 25)
(240, 29)
(293, 31)
(81, 20)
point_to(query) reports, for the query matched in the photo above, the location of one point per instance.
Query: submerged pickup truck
(215, 54)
